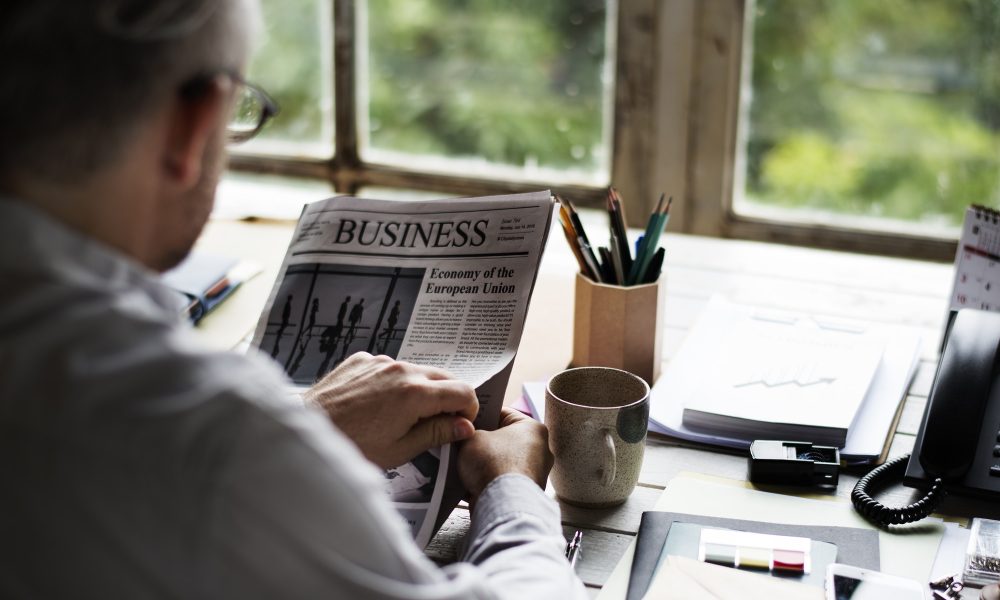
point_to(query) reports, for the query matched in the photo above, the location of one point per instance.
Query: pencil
(635, 273)
(618, 229)
(616, 260)
(663, 219)
(575, 219)
(571, 240)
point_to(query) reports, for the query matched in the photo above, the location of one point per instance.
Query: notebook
(721, 349)
(858, 547)
(202, 281)
(755, 373)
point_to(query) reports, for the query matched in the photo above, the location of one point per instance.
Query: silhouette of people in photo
(356, 313)
(304, 341)
(312, 317)
(286, 316)
(330, 337)
(390, 326)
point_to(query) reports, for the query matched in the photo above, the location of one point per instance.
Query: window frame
(679, 67)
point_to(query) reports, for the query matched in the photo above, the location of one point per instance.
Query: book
(702, 358)
(765, 374)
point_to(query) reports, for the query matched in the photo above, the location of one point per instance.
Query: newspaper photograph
(443, 283)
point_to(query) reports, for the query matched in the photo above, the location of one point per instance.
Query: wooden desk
(909, 293)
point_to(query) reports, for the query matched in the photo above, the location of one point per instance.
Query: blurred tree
(515, 82)
(886, 108)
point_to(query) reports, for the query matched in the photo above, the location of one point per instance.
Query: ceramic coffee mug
(597, 419)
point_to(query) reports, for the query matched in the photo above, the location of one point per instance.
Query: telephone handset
(957, 448)
(959, 437)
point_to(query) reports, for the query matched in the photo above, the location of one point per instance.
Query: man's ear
(194, 120)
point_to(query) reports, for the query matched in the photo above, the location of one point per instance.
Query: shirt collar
(33, 243)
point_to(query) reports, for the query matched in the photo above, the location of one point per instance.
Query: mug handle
(608, 472)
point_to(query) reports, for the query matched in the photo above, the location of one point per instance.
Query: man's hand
(519, 445)
(395, 410)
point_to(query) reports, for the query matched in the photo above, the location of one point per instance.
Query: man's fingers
(509, 416)
(448, 396)
(434, 432)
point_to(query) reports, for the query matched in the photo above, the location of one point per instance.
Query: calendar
(977, 262)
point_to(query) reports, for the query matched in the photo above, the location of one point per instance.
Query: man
(136, 464)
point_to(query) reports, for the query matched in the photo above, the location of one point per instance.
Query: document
(443, 283)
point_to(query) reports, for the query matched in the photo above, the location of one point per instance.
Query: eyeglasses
(252, 108)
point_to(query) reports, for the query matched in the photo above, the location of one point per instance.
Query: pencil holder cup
(618, 327)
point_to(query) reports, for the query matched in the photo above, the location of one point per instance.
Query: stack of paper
(745, 373)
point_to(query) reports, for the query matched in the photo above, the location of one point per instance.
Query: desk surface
(887, 290)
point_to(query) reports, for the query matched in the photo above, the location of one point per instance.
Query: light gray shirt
(136, 464)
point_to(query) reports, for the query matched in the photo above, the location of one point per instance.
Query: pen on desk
(573, 548)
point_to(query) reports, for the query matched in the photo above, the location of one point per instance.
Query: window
(852, 123)
(445, 95)
(882, 109)
(839, 123)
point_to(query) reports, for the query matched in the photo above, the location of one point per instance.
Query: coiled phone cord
(881, 477)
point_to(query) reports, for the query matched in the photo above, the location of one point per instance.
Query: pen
(655, 266)
(590, 259)
(573, 548)
(617, 260)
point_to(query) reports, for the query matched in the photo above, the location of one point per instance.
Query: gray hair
(78, 76)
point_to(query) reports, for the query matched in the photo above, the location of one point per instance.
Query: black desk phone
(959, 437)
(957, 448)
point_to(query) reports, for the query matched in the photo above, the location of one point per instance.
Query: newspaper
(443, 283)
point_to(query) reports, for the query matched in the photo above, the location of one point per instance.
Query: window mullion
(346, 159)
(635, 98)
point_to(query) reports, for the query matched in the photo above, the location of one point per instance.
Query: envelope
(683, 578)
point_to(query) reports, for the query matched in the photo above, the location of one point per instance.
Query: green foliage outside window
(888, 108)
(516, 82)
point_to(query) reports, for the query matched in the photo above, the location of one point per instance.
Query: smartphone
(844, 582)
